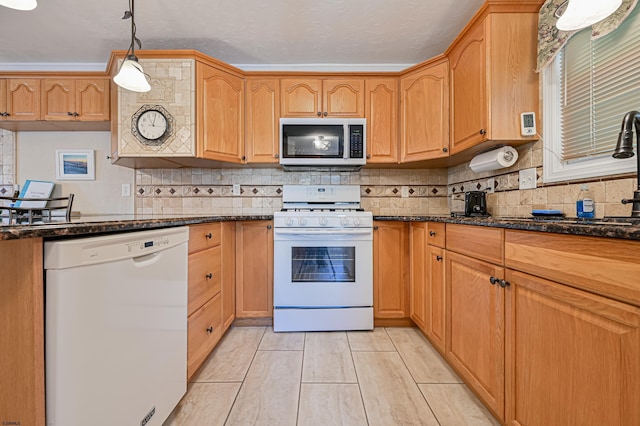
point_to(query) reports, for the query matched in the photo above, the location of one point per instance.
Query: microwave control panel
(356, 146)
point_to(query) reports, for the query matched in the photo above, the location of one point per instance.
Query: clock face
(152, 125)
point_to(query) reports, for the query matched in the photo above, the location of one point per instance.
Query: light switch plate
(404, 192)
(491, 185)
(235, 190)
(126, 190)
(527, 178)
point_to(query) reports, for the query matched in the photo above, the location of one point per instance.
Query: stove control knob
(356, 221)
(289, 221)
(302, 221)
(323, 221)
(344, 221)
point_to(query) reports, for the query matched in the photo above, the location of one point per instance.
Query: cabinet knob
(5, 114)
(209, 276)
(319, 114)
(432, 233)
(483, 131)
(325, 113)
(269, 226)
(75, 114)
(209, 235)
(69, 113)
(504, 283)
(277, 155)
(493, 280)
(210, 330)
(438, 258)
(244, 158)
(445, 149)
(368, 156)
(375, 228)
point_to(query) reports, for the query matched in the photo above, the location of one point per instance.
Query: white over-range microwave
(336, 143)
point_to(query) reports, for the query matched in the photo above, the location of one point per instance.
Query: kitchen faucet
(624, 149)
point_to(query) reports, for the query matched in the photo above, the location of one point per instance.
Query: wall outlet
(235, 190)
(126, 190)
(527, 179)
(491, 186)
(404, 192)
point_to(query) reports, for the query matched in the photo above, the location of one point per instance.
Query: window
(587, 90)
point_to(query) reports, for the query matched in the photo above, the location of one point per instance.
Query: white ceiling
(252, 34)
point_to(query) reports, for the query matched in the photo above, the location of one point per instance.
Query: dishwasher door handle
(146, 259)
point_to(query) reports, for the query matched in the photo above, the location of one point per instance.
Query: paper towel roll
(494, 160)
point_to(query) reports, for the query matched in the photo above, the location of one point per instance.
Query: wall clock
(152, 125)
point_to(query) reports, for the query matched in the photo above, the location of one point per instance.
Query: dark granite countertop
(89, 225)
(624, 228)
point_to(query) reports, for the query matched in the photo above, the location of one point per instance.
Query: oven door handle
(307, 231)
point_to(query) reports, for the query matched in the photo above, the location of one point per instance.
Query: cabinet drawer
(204, 236)
(204, 277)
(204, 331)
(605, 266)
(436, 234)
(477, 241)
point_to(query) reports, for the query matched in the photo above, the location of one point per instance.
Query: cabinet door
(435, 296)
(204, 332)
(475, 327)
(220, 101)
(418, 308)
(228, 274)
(23, 99)
(343, 98)
(381, 112)
(425, 114)
(301, 97)
(254, 269)
(390, 270)
(263, 114)
(469, 103)
(572, 356)
(3, 99)
(92, 100)
(58, 99)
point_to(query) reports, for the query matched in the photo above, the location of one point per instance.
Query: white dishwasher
(116, 328)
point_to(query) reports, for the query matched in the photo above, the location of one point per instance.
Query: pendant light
(131, 76)
(584, 13)
(19, 4)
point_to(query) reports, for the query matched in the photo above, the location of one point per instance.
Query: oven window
(323, 264)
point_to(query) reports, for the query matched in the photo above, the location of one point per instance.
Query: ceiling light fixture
(19, 4)
(580, 14)
(131, 76)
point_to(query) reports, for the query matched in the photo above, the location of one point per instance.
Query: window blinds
(601, 82)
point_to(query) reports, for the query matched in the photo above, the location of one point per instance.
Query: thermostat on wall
(528, 123)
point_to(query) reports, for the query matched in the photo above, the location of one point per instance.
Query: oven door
(323, 268)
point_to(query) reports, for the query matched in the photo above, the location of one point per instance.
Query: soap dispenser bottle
(585, 207)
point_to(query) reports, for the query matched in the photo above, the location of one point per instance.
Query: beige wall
(36, 160)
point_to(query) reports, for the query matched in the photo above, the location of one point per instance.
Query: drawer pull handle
(209, 235)
(493, 280)
(504, 283)
(432, 233)
(438, 258)
(210, 330)
(209, 275)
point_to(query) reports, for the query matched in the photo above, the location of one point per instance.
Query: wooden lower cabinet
(254, 269)
(22, 333)
(435, 296)
(475, 327)
(418, 274)
(228, 259)
(204, 332)
(573, 358)
(391, 272)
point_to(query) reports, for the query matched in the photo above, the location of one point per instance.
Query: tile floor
(389, 376)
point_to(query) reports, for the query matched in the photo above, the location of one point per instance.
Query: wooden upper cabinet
(262, 120)
(493, 79)
(425, 113)
(21, 101)
(309, 97)
(381, 112)
(220, 115)
(69, 99)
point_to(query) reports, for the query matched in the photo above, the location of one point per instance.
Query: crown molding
(53, 66)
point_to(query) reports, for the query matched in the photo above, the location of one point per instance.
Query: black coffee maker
(475, 203)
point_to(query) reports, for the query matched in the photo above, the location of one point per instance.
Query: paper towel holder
(497, 157)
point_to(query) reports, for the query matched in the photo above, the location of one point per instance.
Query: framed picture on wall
(75, 164)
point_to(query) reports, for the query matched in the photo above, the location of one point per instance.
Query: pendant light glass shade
(131, 76)
(19, 4)
(583, 13)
